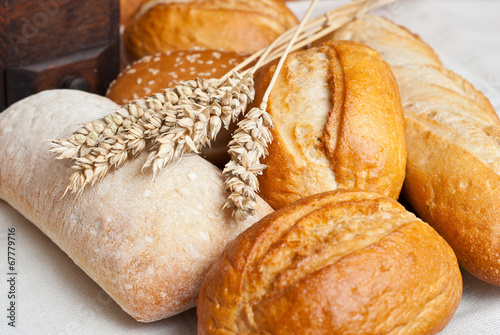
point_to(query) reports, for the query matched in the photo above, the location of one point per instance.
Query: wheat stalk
(189, 116)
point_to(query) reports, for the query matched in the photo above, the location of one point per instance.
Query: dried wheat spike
(248, 146)
(199, 123)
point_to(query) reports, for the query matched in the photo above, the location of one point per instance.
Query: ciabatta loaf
(341, 262)
(148, 243)
(338, 124)
(453, 144)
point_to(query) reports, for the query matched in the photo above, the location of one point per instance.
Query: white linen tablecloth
(53, 296)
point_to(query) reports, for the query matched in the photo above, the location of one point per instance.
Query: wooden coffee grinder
(47, 44)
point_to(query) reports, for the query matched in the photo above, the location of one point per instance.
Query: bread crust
(148, 243)
(453, 137)
(240, 26)
(341, 262)
(338, 124)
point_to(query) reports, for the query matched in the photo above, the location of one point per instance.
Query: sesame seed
(192, 58)
(154, 72)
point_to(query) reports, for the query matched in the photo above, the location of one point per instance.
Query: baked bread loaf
(152, 74)
(231, 25)
(338, 124)
(453, 137)
(148, 243)
(341, 262)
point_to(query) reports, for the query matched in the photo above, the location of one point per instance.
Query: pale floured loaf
(338, 124)
(148, 243)
(341, 262)
(453, 144)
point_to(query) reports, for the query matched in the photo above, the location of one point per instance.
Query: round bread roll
(338, 124)
(341, 262)
(232, 25)
(152, 74)
(147, 242)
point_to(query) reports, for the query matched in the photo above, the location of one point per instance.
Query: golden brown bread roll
(151, 74)
(338, 124)
(453, 137)
(231, 25)
(342, 262)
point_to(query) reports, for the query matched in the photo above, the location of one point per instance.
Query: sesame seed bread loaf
(152, 74)
(231, 25)
(338, 124)
(453, 143)
(341, 262)
(147, 242)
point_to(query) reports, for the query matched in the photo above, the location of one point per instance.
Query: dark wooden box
(48, 44)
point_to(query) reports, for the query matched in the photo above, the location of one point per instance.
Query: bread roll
(342, 262)
(338, 124)
(453, 137)
(148, 243)
(231, 25)
(152, 74)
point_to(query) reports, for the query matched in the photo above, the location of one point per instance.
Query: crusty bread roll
(231, 25)
(453, 137)
(152, 74)
(148, 243)
(341, 262)
(338, 124)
